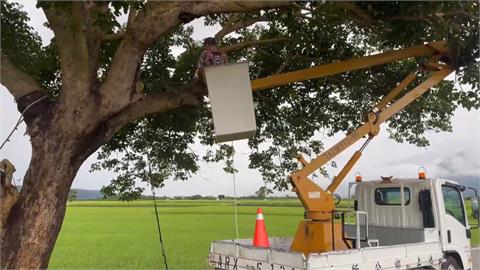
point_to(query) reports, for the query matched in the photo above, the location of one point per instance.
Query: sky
(449, 154)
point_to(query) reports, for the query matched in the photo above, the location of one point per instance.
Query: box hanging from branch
(230, 93)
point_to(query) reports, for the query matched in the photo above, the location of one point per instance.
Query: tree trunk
(34, 222)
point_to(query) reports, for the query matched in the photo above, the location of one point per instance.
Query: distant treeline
(196, 197)
(219, 197)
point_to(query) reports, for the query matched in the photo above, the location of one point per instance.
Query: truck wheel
(450, 264)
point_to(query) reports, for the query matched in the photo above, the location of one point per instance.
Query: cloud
(418, 158)
(463, 162)
(467, 181)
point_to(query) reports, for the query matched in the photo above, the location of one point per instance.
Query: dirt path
(476, 258)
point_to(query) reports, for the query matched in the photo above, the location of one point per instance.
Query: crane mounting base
(318, 236)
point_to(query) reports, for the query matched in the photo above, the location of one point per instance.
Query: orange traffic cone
(260, 239)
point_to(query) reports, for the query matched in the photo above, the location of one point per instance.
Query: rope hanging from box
(160, 238)
(20, 120)
(234, 192)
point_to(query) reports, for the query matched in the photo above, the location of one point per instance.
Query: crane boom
(428, 49)
(366, 128)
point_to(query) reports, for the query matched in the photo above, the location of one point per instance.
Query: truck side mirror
(475, 211)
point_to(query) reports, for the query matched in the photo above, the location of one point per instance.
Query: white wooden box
(231, 99)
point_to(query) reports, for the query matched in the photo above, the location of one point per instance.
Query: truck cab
(404, 211)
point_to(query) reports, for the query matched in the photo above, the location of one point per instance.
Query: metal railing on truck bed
(241, 254)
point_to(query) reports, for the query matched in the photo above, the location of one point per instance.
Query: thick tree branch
(28, 94)
(304, 16)
(251, 43)
(231, 27)
(114, 36)
(231, 20)
(190, 95)
(70, 40)
(457, 13)
(412, 19)
(147, 26)
(132, 14)
(78, 38)
(302, 7)
(17, 82)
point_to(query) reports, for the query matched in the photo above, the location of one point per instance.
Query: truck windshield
(453, 203)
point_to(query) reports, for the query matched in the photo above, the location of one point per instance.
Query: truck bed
(240, 254)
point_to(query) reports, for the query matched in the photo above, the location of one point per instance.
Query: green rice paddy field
(112, 235)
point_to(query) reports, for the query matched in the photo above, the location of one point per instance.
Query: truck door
(454, 231)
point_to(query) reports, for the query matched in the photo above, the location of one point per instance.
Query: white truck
(398, 224)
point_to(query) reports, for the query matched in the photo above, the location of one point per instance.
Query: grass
(111, 234)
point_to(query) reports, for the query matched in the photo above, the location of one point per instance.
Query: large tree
(99, 83)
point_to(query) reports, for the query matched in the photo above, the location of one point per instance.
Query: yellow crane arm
(356, 156)
(372, 126)
(428, 49)
(319, 203)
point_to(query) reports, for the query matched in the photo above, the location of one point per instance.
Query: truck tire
(450, 264)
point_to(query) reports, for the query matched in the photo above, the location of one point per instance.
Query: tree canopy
(289, 118)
